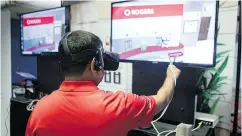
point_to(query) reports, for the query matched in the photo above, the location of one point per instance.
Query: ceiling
(19, 7)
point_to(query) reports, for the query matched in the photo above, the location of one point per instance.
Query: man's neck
(81, 77)
(74, 78)
(69, 78)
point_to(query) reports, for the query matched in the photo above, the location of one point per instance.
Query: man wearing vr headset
(79, 108)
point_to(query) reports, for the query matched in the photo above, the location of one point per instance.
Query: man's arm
(134, 111)
(165, 93)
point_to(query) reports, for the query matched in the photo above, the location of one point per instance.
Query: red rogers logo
(36, 21)
(135, 12)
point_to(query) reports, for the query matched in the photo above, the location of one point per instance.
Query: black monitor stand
(49, 73)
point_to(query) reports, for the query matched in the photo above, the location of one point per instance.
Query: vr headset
(103, 59)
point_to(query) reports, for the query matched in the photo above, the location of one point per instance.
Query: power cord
(164, 111)
(167, 131)
(199, 126)
(170, 133)
(31, 105)
(7, 120)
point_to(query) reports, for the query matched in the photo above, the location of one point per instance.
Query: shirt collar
(77, 86)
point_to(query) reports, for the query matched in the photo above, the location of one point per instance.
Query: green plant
(210, 81)
(208, 87)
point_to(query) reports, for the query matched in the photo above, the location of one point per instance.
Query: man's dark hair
(78, 41)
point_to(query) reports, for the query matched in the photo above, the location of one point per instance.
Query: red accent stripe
(155, 48)
(41, 46)
(148, 11)
(37, 21)
(175, 54)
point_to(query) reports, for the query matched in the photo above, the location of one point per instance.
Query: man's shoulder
(117, 97)
(47, 102)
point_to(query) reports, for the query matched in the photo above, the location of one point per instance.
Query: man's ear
(93, 65)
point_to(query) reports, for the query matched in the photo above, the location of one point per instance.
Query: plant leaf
(200, 75)
(219, 79)
(220, 54)
(224, 96)
(221, 117)
(216, 83)
(207, 93)
(222, 78)
(219, 93)
(222, 3)
(214, 91)
(201, 70)
(204, 81)
(212, 74)
(223, 84)
(214, 78)
(216, 86)
(223, 65)
(213, 107)
(220, 44)
(212, 69)
(218, 61)
(206, 101)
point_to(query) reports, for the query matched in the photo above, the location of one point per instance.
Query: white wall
(5, 69)
(227, 35)
(98, 22)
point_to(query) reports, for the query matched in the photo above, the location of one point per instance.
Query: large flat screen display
(41, 31)
(154, 31)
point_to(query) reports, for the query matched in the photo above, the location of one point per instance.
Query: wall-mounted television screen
(152, 31)
(41, 31)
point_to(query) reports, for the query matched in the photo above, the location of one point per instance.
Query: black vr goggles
(103, 59)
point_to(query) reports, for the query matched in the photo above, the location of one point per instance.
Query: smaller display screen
(41, 31)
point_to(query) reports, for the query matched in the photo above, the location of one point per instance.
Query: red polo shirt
(79, 108)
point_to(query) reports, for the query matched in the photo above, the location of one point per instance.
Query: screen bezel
(176, 63)
(67, 23)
